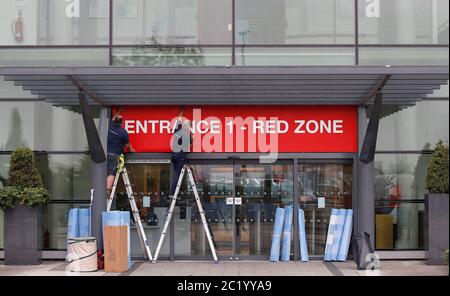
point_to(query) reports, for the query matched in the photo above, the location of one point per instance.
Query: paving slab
(242, 268)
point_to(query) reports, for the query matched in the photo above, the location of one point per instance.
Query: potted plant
(21, 200)
(436, 204)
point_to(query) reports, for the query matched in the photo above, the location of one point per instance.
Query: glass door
(240, 199)
(260, 189)
(214, 183)
(322, 186)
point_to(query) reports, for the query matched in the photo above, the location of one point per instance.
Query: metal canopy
(350, 85)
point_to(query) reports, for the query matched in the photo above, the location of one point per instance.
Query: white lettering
(338, 126)
(129, 126)
(308, 127)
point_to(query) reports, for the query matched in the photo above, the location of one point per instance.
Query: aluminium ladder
(200, 209)
(122, 171)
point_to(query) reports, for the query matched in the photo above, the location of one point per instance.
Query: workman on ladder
(118, 142)
(180, 146)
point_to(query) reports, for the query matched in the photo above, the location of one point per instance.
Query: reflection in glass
(332, 182)
(174, 22)
(150, 184)
(415, 127)
(214, 184)
(399, 193)
(54, 225)
(1, 230)
(44, 22)
(403, 22)
(54, 57)
(414, 56)
(153, 54)
(32, 124)
(66, 176)
(262, 188)
(248, 56)
(294, 22)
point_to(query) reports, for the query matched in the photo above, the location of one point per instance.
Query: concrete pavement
(243, 268)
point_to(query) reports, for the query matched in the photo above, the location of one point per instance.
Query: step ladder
(122, 171)
(200, 209)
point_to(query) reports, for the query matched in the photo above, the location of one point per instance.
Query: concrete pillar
(365, 186)
(98, 181)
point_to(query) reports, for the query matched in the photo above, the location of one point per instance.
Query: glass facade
(55, 22)
(201, 33)
(61, 157)
(224, 32)
(294, 22)
(406, 137)
(162, 22)
(403, 22)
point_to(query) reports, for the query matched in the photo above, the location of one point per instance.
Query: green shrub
(446, 256)
(8, 195)
(24, 182)
(437, 175)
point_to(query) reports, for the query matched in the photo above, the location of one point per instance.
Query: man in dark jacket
(118, 141)
(180, 148)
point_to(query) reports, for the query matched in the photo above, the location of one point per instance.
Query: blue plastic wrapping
(84, 222)
(330, 235)
(287, 230)
(346, 235)
(302, 235)
(338, 234)
(276, 237)
(72, 224)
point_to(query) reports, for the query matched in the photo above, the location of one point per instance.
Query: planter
(436, 227)
(23, 235)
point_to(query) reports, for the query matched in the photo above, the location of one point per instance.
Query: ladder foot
(216, 262)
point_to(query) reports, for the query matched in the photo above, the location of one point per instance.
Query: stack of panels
(79, 223)
(339, 232)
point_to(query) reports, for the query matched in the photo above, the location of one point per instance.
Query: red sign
(246, 128)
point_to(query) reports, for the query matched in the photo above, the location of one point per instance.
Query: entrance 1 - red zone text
(236, 128)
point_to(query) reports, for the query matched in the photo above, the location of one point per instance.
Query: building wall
(200, 32)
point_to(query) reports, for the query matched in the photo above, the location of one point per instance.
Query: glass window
(251, 56)
(45, 57)
(32, 124)
(2, 243)
(172, 22)
(54, 22)
(66, 176)
(403, 22)
(54, 225)
(399, 193)
(403, 56)
(171, 56)
(294, 22)
(443, 92)
(4, 168)
(413, 127)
